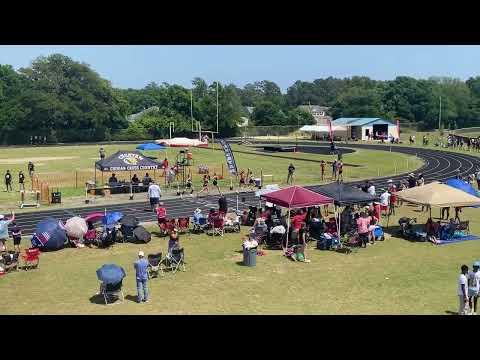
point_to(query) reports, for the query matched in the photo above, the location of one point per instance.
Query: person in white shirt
(371, 189)
(154, 194)
(462, 291)
(474, 287)
(385, 201)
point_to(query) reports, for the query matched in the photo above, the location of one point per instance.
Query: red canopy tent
(295, 197)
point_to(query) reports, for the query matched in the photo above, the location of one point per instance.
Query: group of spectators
(21, 178)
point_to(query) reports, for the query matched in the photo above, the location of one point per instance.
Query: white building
(368, 128)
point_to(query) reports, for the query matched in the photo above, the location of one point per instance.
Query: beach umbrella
(150, 146)
(76, 227)
(110, 274)
(94, 217)
(50, 234)
(111, 218)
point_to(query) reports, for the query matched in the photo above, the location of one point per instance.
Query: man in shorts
(21, 181)
(17, 236)
(4, 222)
(462, 291)
(322, 169)
(154, 194)
(473, 287)
(8, 180)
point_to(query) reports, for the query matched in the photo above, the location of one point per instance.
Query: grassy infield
(393, 277)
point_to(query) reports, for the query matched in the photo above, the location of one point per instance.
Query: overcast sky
(136, 66)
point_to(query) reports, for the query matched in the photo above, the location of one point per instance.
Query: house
(133, 117)
(319, 113)
(368, 128)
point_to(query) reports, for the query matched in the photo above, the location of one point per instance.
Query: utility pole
(217, 106)
(191, 106)
(440, 114)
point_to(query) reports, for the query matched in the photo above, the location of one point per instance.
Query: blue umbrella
(110, 274)
(150, 146)
(50, 234)
(111, 218)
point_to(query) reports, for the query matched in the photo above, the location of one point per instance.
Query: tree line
(67, 101)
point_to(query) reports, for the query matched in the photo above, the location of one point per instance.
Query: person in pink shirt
(363, 223)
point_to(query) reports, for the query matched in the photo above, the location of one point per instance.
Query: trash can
(250, 256)
(56, 197)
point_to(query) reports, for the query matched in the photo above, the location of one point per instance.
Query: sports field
(391, 277)
(69, 167)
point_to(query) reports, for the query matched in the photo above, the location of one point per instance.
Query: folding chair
(218, 226)
(155, 266)
(175, 260)
(112, 291)
(183, 225)
(31, 258)
(464, 226)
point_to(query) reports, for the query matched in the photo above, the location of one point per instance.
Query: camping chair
(183, 225)
(199, 223)
(10, 261)
(155, 266)
(31, 258)
(464, 226)
(217, 224)
(112, 290)
(175, 260)
(232, 222)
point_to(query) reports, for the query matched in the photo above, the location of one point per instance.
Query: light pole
(172, 126)
(440, 114)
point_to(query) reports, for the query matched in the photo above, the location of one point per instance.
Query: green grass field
(64, 166)
(390, 277)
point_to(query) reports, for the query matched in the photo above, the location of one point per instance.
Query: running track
(439, 165)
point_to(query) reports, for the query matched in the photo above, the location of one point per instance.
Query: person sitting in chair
(113, 179)
(173, 241)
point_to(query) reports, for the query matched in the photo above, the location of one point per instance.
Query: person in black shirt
(412, 182)
(31, 169)
(112, 179)
(102, 153)
(8, 180)
(291, 171)
(222, 204)
(17, 236)
(21, 181)
(135, 179)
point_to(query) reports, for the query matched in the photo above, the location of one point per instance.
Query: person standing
(8, 181)
(154, 194)
(322, 169)
(371, 189)
(17, 236)
(4, 230)
(31, 169)
(340, 169)
(141, 266)
(102, 153)
(222, 204)
(21, 181)
(473, 287)
(291, 171)
(334, 170)
(363, 223)
(385, 201)
(462, 291)
(478, 179)
(146, 180)
(215, 182)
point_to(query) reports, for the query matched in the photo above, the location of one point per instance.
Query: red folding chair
(31, 258)
(218, 226)
(183, 225)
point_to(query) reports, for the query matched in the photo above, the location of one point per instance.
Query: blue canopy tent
(50, 234)
(151, 146)
(464, 186)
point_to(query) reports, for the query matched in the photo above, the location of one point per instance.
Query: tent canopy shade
(438, 195)
(296, 197)
(127, 161)
(345, 194)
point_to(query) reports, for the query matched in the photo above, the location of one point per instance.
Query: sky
(135, 66)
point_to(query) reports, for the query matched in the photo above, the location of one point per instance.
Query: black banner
(232, 166)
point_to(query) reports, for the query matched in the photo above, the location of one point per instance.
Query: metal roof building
(368, 128)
